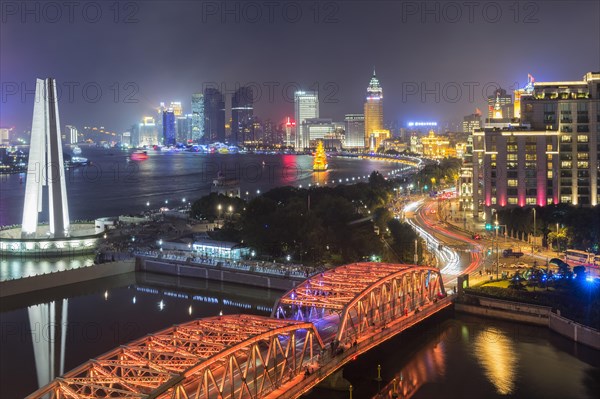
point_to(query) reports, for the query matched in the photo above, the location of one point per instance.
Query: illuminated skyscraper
(355, 131)
(373, 110)
(46, 167)
(306, 106)
(500, 105)
(169, 136)
(571, 109)
(242, 110)
(471, 122)
(214, 115)
(177, 108)
(197, 116)
(72, 134)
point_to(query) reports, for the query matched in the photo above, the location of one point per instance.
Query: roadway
(455, 252)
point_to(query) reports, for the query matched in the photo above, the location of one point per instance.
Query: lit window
(582, 165)
(530, 201)
(549, 174)
(512, 200)
(512, 183)
(493, 200)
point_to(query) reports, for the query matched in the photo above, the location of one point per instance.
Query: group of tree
(578, 227)
(312, 226)
(446, 171)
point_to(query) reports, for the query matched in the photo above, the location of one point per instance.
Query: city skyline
(130, 89)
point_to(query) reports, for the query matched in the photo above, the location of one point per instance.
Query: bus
(576, 257)
(590, 260)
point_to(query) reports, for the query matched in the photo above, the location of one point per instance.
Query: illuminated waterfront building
(500, 102)
(571, 109)
(471, 122)
(72, 134)
(177, 108)
(373, 113)
(183, 128)
(355, 131)
(436, 147)
(169, 135)
(519, 166)
(197, 117)
(306, 106)
(242, 111)
(145, 133)
(289, 125)
(316, 129)
(377, 138)
(214, 116)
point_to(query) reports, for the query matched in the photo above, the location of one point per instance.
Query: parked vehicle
(509, 252)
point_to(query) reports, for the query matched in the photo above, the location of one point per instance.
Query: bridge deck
(329, 362)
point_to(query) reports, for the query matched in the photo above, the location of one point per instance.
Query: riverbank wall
(217, 273)
(527, 313)
(65, 277)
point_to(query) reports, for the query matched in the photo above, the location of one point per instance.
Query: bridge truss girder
(239, 356)
(389, 299)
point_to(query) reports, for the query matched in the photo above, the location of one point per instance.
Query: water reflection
(428, 365)
(11, 268)
(48, 322)
(497, 354)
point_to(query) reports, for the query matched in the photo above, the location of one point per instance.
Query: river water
(446, 357)
(113, 185)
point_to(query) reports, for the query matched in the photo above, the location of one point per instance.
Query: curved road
(456, 253)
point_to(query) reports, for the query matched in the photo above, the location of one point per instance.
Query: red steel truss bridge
(315, 329)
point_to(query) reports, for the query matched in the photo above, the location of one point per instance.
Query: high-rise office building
(183, 125)
(471, 122)
(519, 166)
(315, 129)
(373, 113)
(197, 117)
(289, 125)
(177, 108)
(214, 115)
(572, 109)
(242, 110)
(145, 133)
(306, 106)
(168, 124)
(500, 105)
(355, 131)
(72, 134)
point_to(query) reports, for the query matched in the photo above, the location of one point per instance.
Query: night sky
(166, 50)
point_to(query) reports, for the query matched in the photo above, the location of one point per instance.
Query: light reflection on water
(497, 355)
(16, 267)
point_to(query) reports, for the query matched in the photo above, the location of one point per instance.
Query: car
(521, 265)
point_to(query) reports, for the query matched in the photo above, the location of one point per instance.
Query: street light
(534, 231)
(416, 257)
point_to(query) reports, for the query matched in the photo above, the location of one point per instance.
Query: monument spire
(46, 166)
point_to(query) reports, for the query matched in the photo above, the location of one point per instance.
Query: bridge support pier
(336, 382)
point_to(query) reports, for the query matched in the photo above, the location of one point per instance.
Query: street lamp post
(416, 257)
(219, 207)
(534, 232)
